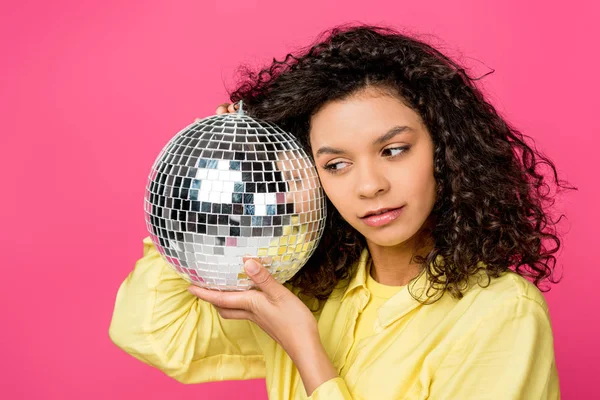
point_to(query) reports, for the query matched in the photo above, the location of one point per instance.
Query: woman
(418, 288)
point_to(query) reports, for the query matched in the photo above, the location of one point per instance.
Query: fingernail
(252, 267)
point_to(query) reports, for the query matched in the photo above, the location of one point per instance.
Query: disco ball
(230, 187)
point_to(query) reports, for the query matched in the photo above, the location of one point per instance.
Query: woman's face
(373, 152)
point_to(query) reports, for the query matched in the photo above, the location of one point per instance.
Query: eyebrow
(396, 130)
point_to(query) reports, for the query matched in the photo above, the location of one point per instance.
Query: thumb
(260, 276)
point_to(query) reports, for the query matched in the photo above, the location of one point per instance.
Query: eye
(392, 152)
(396, 151)
(334, 167)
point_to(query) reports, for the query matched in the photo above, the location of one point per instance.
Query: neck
(394, 265)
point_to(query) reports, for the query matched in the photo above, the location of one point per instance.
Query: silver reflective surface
(229, 187)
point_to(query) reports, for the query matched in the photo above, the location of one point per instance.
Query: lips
(382, 217)
(379, 211)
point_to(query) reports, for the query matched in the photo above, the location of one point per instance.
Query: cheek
(413, 181)
(423, 187)
(336, 195)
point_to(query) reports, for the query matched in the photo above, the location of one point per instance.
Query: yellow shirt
(365, 323)
(495, 343)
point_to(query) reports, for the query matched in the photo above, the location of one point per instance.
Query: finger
(231, 300)
(222, 108)
(233, 107)
(227, 313)
(266, 261)
(262, 278)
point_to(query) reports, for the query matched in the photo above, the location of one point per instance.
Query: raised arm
(158, 321)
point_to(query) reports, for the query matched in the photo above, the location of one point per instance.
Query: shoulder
(509, 297)
(509, 287)
(506, 314)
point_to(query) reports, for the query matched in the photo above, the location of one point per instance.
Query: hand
(224, 108)
(227, 108)
(280, 313)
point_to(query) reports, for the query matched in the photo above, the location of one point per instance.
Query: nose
(371, 182)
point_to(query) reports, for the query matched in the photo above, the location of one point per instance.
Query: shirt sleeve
(333, 389)
(509, 355)
(158, 321)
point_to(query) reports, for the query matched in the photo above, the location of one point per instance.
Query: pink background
(91, 91)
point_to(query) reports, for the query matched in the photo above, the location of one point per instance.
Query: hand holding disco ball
(229, 187)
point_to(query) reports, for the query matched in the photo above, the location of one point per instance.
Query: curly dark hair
(491, 195)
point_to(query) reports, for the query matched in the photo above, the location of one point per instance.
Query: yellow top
(365, 323)
(494, 343)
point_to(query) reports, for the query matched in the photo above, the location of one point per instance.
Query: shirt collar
(402, 302)
(360, 276)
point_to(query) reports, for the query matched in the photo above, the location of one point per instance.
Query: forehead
(366, 114)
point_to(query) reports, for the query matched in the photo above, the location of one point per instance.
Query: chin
(389, 242)
(388, 238)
